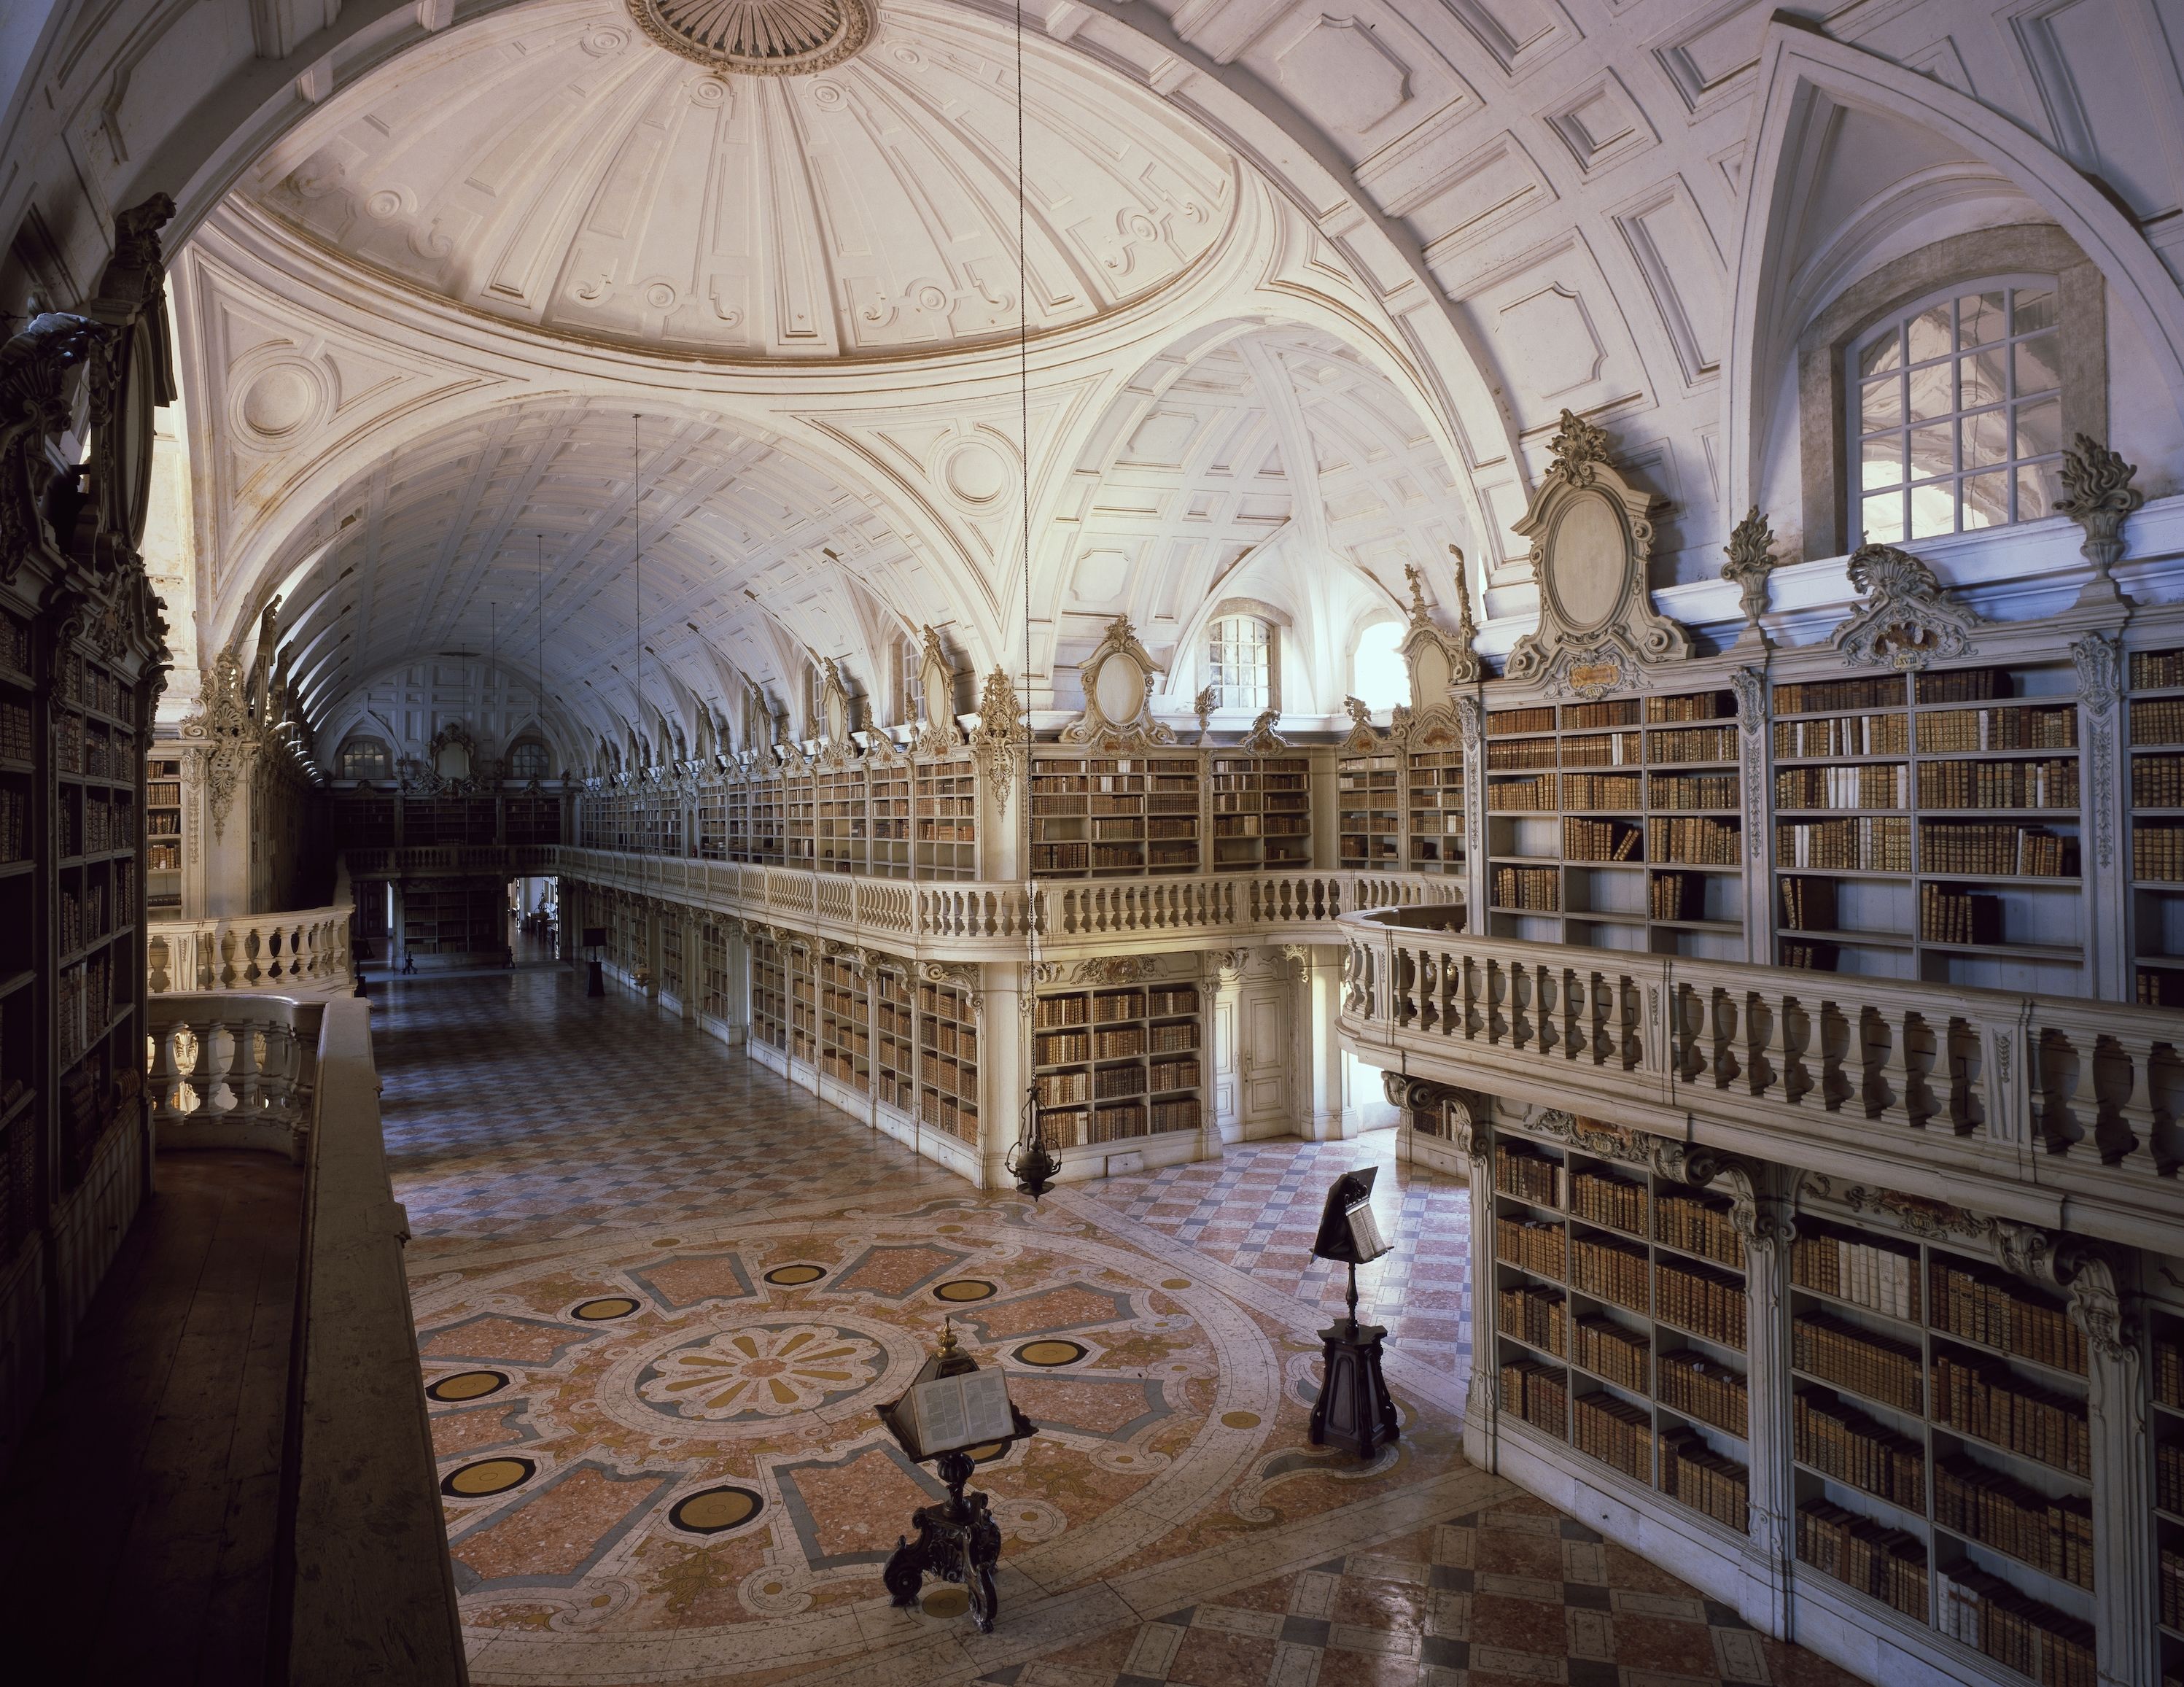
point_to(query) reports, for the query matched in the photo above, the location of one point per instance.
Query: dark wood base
(957, 1541)
(1354, 1409)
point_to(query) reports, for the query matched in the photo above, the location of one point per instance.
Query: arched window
(363, 758)
(1239, 663)
(1379, 677)
(528, 760)
(1956, 412)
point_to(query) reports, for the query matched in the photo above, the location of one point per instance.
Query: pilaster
(2124, 1609)
(1002, 1005)
(1762, 1220)
(1324, 1111)
(1472, 1135)
(1224, 983)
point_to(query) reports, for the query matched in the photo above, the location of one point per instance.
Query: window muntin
(1956, 408)
(528, 761)
(1239, 663)
(363, 758)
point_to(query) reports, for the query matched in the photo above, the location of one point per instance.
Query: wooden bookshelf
(1118, 1062)
(1939, 1420)
(1107, 817)
(1637, 1285)
(769, 972)
(1432, 801)
(894, 1040)
(1368, 823)
(838, 795)
(2164, 1370)
(2154, 711)
(845, 1024)
(887, 810)
(945, 811)
(717, 995)
(1262, 814)
(1927, 825)
(163, 835)
(948, 1060)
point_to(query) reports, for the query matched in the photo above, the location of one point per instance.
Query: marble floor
(658, 1292)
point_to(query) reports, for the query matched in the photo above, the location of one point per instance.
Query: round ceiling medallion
(759, 38)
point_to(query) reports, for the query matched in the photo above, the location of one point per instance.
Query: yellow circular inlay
(791, 1277)
(714, 1509)
(952, 1229)
(1175, 1282)
(985, 1451)
(944, 1601)
(966, 1289)
(1240, 1420)
(467, 1385)
(669, 1242)
(611, 1306)
(1050, 1351)
(488, 1476)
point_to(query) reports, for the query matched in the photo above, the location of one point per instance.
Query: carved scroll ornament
(1908, 621)
(1118, 687)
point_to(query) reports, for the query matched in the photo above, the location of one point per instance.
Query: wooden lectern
(1354, 1410)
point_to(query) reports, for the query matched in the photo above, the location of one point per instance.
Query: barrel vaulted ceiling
(1308, 284)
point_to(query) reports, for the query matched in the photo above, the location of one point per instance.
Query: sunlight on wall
(1378, 677)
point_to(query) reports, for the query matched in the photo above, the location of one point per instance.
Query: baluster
(2129, 1072)
(1887, 1076)
(1722, 1020)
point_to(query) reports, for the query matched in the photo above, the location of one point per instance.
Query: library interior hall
(1241, 843)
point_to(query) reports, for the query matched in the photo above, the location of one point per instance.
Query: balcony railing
(357, 1501)
(964, 918)
(2063, 1110)
(302, 952)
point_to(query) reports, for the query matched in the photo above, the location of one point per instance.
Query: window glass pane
(1882, 460)
(2035, 310)
(1980, 319)
(1933, 510)
(2039, 363)
(2038, 486)
(2039, 428)
(1928, 333)
(1885, 353)
(1985, 500)
(1933, 451)
(1985, 439)
(1979, 379)
(1881, 404)
(1929, 392)
(1882, 518)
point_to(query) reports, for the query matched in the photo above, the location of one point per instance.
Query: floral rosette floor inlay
(772, 1370)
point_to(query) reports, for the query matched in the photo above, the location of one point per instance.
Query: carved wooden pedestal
(957, 1541)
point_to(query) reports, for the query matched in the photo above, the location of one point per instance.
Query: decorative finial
(1203, 707)
(1751, 553)
(2100, 496)
(1417, 594)
(1360, 715)
(1466, 628)
(1577, 447)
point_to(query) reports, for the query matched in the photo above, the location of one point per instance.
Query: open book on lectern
(950, 1412)
(1349, 1233)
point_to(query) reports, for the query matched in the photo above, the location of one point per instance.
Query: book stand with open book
(1354, 1409)
(953, 1412)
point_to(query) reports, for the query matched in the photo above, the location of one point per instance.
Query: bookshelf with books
(1117, 1066)
(948, 1060)
(1941, 1442)
(162, 837)
(769, 974)
(1437, 821)
(2164, 1344)
(1926, 825)
(886, 807)
(1629, 1288)
(945, 816)
(839, 798)
(1262, 814)
(2154, 720)
(1617, 822)
(894, 1040)
(845, 1024)
(1109, 817)
(1368, 826)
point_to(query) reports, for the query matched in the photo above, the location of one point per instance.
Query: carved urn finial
(2099, 498)
(1751, 553)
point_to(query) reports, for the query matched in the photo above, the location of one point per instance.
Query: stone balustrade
(232, 1070)
(971, 920)
(304, 951)
(2055, 1111)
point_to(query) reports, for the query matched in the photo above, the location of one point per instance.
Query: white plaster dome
(552, 166)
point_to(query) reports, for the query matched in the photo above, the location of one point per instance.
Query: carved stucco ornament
(1750, 560)
(958, 974)
(1908, 621)
(2100, 659)
(1592, 538)
(224, 733)
(937, 733)
(757, 37)
(1262, 739)
(2099, 497)
(999, 740)
(1118, 687)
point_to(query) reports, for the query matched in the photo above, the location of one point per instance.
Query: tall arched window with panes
(1956, 412)
(1239, 663)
